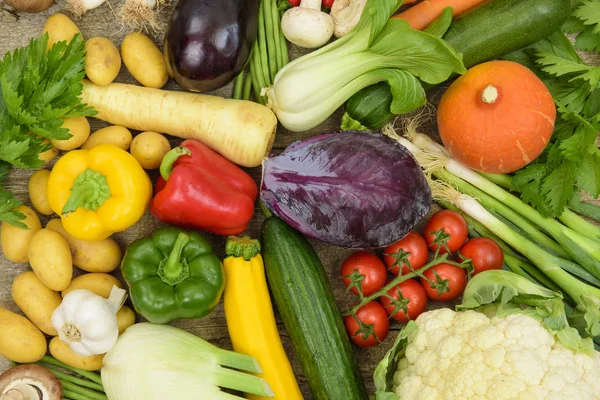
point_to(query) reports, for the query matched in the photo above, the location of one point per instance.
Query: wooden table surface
(16, 30)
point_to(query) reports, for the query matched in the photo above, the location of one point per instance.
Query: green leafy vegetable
(440, 26)
(586, 21)
(7, 202)
(571, 161)
(38, 89)
(309, 89)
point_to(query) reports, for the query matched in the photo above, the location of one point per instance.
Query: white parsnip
(241, 131)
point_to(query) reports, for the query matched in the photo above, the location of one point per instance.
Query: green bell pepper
(173, 274)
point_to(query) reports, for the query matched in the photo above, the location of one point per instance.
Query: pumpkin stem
(489, 94)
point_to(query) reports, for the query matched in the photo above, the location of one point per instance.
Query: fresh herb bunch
(38, 89)
(571, 161)
(401, 303)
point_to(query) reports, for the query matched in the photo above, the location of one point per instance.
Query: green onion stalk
(549, 264)
(472, 198)
(580, 248)
(568, 217)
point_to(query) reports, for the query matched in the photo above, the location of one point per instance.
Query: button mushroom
(346, 14)
(306, 25)
(29, 382)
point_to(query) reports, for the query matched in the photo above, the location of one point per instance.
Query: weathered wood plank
(16, 31)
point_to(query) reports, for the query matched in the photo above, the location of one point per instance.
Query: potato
(116, 135)
(144, 60)
(125, 318)
(20, 340)
(62, 352)
(49, 154)
(149, 148)
(15, 241)
(59, 27)
(102, 60)
(91, 256)
(50, 258)
(79, 127)
(98, 283)
(37, 188)
(36, 301)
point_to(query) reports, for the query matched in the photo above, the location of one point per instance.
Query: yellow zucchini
(250, 318)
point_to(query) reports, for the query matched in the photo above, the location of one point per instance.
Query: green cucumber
(305, 301)
(485, 33)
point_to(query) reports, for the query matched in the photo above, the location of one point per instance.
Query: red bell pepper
(200, 189)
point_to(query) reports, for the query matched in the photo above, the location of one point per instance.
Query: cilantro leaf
(39, 88)
(589, 173)
(558, 66)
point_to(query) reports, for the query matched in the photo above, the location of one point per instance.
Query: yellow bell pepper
(98, 192)
(250, 318)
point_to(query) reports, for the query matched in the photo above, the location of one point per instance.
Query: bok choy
(162, 362)
(308, 90)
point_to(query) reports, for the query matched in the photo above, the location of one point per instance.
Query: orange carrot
(409, 2)
(421, 15)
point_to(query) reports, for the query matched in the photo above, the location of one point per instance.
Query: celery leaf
(39, 88)
(589, 13)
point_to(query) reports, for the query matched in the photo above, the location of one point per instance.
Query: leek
(153, 362)
(308, 90)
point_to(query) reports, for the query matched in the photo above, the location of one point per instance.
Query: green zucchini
(485, 33)
(305, 301)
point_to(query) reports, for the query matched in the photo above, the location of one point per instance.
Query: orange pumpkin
(497, 117)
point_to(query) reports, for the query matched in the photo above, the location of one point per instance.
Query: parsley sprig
(38, 88)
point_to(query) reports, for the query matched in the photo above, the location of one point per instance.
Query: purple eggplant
(209, 41)
(350, 189)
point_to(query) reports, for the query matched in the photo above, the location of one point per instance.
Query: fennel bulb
(159, 362)
(308, 90)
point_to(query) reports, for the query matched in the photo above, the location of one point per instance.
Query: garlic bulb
(88, 322)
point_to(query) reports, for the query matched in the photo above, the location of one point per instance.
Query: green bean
(262, 45)
(276, 22)
(247, 88)
(257, 77)
(265, 9)
(77, 381)
(284, 48)
(257, 94)
(237, 85)
(68, 395)
(90, 394)
(92, 376)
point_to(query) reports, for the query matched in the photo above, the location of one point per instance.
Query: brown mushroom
(30, 382)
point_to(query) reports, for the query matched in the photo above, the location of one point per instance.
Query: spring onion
(162, 362)
(582, 249)
(309, 89)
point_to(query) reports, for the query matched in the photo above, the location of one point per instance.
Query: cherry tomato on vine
(484, 254)
(294, 3)
(327, 3)
(454, 226)
(366, 267)
(451, 276)
(395, 253)
(377, 324)
(412, 297)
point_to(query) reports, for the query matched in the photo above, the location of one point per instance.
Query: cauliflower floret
(470, 356)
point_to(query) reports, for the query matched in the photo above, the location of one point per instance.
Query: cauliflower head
(470, 355)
